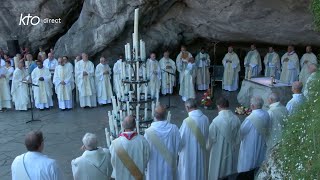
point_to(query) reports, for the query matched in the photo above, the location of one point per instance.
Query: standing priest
(187, 81)
(231, 65)
(117, 75)
(167, 66)
(272, 64)
(182, 61)
(203, 76)
(154, 75)
(5, 98)
(290, 66)
(307, 59)
(103, 84)
(252, 62)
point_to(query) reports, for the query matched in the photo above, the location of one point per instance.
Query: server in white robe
(308, 91)
(187, 89)
(164, 140)
(168, 81)
(277, 113)
(86, 85)
(298, 98)
(193, 158)
(307, 59)
(19, 90)
(154, 75)
(34, 165)
(50, 63)
(68, 64)
(231, 71)
(5, 97)
(10, 71)
(272, 64)
(41, 77)
(223, 142)
(103, 82)
(94, 163)
(182, 61)
(129, 153)
(203, 76)
(253, 146)
(64, 84)
(117, 75)
(290, 66)
(252, 63)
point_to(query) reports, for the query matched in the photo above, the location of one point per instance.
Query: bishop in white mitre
(164, 140)
(129, 153)
(187, 81)
(193, 157)
(223, 142)
(5, 97)
(41, 77)
(290, 66)
(182, 61)
(103, 82)
(253, 133)
(64, 83)
(203, 76)
(117, 75)
(86, 85)
(272, 64)
(19, 90)
(308, 58)
(231, 71)
(154, 75)
(168, 78)
(252, 63)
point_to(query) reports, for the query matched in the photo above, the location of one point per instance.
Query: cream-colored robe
(43, 92)
(64, 92)
(252, 62)
(154, 75)
(5, 97)
(203, 76)
(182, 62)
(19, 90)
(272, 65)
(187, 83)
(167, 80)
(304, 74)
(290, 69)
(103, 84)
(231, 72)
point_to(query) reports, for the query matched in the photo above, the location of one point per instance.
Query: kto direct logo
(35, 20)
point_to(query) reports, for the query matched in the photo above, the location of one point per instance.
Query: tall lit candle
(135, 30)
(129, 74)
(144, 73)
(137, 70)
(116, 126)
(145, 92)
(128, 108)
(145, 112)
(126, 51)
(152, 109)
(110, 122)
(129, 52)
(137, 112)
(137, 127)
(143, 53)
(107, 137)
(138, 93)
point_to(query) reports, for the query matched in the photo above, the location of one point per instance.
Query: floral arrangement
(243, 110)
(206, 99)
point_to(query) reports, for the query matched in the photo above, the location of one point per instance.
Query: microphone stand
(168, 74)
(30, 85)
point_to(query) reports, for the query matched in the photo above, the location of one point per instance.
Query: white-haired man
(51, 63)
(167, 66)
(253, 146)
(307, 59)
(277, 113)
(103, 84)
(194, 135)
(129, 153)
(95, 162)
(154, 75)
(297, 98)
(164, 140)
(313, 70)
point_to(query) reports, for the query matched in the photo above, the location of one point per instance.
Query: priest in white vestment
(203, 76)
(51, 63)
(129, 153)
(103, 82)
(42, 53)
(231, 71)
(272, 64)
(252, 63)
(86, 85)
(290, 66)
(253, 146)
(94, 163)
(154, 75)
(182, 61)
(187, 84)
(307, 59)
(19, 90)
(193, 158)
(164, 140)
(313, 70)
(168, 80)
(41, 77)
(298, 98)
(34, 165)
(64, 84)
(277, 113)
(223, 142)
(117, 75)
(68, 64)
(2, 62)
(5, 97)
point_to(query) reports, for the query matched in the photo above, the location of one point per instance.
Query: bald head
(129, 123)
(296, 87)
(312, 68)
(34, 141)
(160, 113)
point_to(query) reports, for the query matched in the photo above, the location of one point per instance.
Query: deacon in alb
(154, 75)
(19, 89)
(252, 62)
(203, 76)
(223, 142)
(41, 77)
(290, 66)
(194, 135)
(272, 64)
(182, 61)
(187, 81)
(103, 84)
(86, 86)
(117, 75)
(167, 80)
(64, 84)
(231, 65)
(307, 59)
(5, 97)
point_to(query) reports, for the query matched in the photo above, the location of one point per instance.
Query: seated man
(95, 163)
(33, 164)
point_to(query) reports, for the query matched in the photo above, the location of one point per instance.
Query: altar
(261, 86)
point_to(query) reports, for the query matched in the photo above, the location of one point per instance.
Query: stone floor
(63, 130)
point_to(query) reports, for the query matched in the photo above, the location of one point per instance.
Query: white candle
(137, 70)
(138, 93)
(152, 110)
(143, 53)
(130, 96)
(114, 104)
(121, 119)
(169, 116)
(137, 127)
(135, 30)
(128, 108)
(116, 126)
(144, 73)
(141, 49)
(129, 74)
(107, 137)
(129, 52)
(157, 96)
(110, 122)
(126, 51)
(145, 92)
(145, 112)
(137, 112)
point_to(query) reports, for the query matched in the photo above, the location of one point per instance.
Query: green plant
(315, 8)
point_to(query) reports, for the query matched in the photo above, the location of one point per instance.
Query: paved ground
(63, 130)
